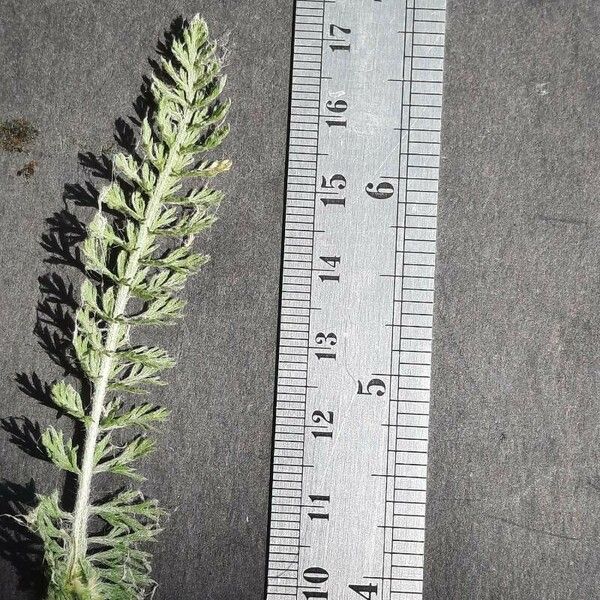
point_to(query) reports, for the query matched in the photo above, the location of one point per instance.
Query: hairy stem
(79, 541)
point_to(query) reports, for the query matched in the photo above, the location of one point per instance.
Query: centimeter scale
(351, 420)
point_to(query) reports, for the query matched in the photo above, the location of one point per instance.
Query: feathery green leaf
(137, 255)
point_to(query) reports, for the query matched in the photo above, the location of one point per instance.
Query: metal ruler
(351, 420)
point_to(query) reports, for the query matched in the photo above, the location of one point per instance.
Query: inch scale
(351, 419)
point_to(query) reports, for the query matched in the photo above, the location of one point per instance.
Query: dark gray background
(514, 488)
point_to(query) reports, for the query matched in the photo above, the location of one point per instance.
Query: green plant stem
(81, 511)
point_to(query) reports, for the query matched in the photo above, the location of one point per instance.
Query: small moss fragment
(17, 135)
(27, 170)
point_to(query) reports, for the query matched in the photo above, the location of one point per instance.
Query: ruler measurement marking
(282, 465)
(312, 265)
(389, 419)
(300, 112)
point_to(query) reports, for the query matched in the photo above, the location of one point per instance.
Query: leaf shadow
(25, 434)
(18, 545)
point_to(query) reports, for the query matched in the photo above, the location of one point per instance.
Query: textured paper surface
(514, 465)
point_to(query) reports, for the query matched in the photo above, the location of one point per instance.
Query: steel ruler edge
(349, 468)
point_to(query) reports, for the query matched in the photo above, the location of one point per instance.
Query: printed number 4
(365, 591)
